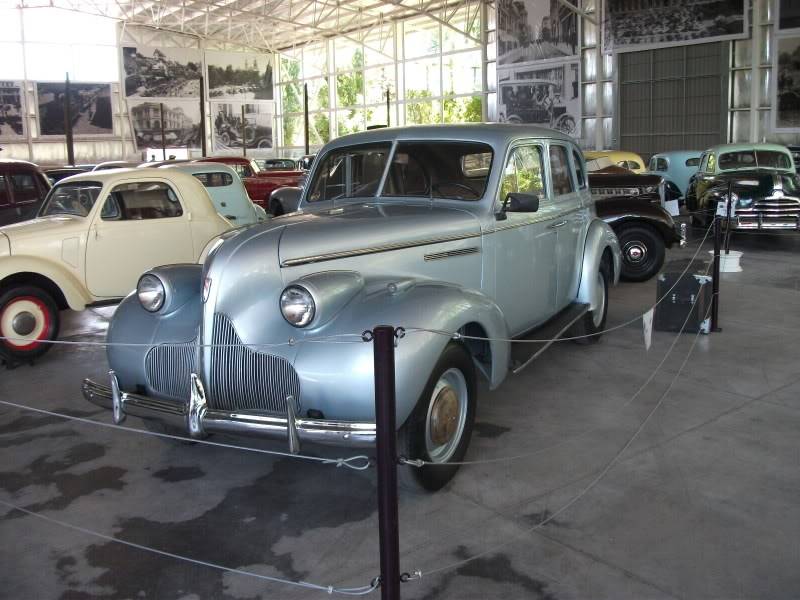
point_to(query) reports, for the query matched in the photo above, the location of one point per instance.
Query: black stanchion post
(163, 138)
(715, 280)
(305, 118)
(728, 208)
(68, 121)
(388, 521)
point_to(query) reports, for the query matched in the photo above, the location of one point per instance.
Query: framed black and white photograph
(239, 76)
(639, 24)
(12, 123)
(231, 129)
(181, 123)
(547, 96)
(535, 30)
(162, 72)
(787, 85)
(788, 14)
(90, 108)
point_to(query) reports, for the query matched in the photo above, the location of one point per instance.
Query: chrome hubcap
(23, 323)
(447, 413)
(635, 252)
(599, 300)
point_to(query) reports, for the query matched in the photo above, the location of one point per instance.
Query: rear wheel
(587, 329)
(28, 316)
(643, 252)
(440, 427)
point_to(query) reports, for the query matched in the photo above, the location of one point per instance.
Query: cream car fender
(75, 293)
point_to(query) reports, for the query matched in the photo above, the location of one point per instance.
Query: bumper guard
(197, 419)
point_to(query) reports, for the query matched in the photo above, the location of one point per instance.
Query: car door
(524, 243)
(568, 181)
(141, 225)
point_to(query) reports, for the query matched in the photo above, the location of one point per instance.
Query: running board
(550, 331)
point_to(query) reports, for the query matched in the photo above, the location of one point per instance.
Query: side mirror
(521, 202)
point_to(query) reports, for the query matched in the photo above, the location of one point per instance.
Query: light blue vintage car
(483, 230)
(227, 191)
(675, 167)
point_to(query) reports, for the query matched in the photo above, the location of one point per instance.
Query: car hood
(43, 227)
(369, 228)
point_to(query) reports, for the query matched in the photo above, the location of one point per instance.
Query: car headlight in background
(297, 306)
(745, 202)
(151, 292)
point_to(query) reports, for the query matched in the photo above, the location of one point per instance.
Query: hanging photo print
(787, 113)
(639, 24)
(90, 108)
(546, 96)
(239, 76)
(181, 123)
(533, 30)
(230, 131)
(11, 121)
(162, 72)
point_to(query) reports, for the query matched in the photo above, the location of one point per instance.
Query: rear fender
(599, 238)
(338, 379)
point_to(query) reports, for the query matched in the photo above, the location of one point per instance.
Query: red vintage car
(259, 183)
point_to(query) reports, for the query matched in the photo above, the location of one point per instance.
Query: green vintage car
(762, 180)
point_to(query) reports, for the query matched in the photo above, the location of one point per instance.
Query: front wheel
(588, 329)
(28, 316)
(440, 426)
(643, 252)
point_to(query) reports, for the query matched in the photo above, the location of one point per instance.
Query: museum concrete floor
(702, 504)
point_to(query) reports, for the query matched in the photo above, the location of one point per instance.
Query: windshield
(72, 198)
(350, 172)
(744, 159)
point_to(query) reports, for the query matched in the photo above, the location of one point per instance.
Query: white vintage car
(95, 234)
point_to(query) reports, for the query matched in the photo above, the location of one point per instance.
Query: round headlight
(151, 293)
(297, 306)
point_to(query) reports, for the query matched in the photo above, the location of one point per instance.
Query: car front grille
(242, 378)
(169, 367)
(771, 210)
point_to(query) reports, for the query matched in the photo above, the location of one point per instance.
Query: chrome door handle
(557, 225)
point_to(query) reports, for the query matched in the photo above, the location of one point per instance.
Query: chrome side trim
(452, 253)
(305, 260)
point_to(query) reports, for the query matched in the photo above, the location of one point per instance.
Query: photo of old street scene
(547, 96)
(631, 23)
(181, 124)
(162, 72)
(233, 130)
(238, 76)
(90, 108)
(530, 30)
(10, 109)
(788, 113)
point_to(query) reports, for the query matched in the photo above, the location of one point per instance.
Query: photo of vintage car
(536, 101)
(93, 236)
(763, 183)
(500, 238)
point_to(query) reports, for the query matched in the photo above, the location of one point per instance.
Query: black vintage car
(633, 205)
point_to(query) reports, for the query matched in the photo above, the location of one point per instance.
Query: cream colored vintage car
(95, 234)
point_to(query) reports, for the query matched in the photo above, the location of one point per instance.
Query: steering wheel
(435, 187)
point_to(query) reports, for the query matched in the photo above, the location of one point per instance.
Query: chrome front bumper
(197, 419)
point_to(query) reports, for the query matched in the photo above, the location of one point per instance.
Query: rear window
(350, 172)
(141, 200)
(73, 198)
(744, 159)
(214, 179)
(693, 162)
(446, 170)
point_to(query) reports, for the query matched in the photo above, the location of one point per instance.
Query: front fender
(337, 378)
(74, 291)
(599, 238)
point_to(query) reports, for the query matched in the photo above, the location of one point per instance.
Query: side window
(710, 163)
(559, 171)
(692, 162)
(579, 171)
(25, 188)
(214, 179)
(4, 198)
(661, 164)
(140, 201)
(523, 172)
